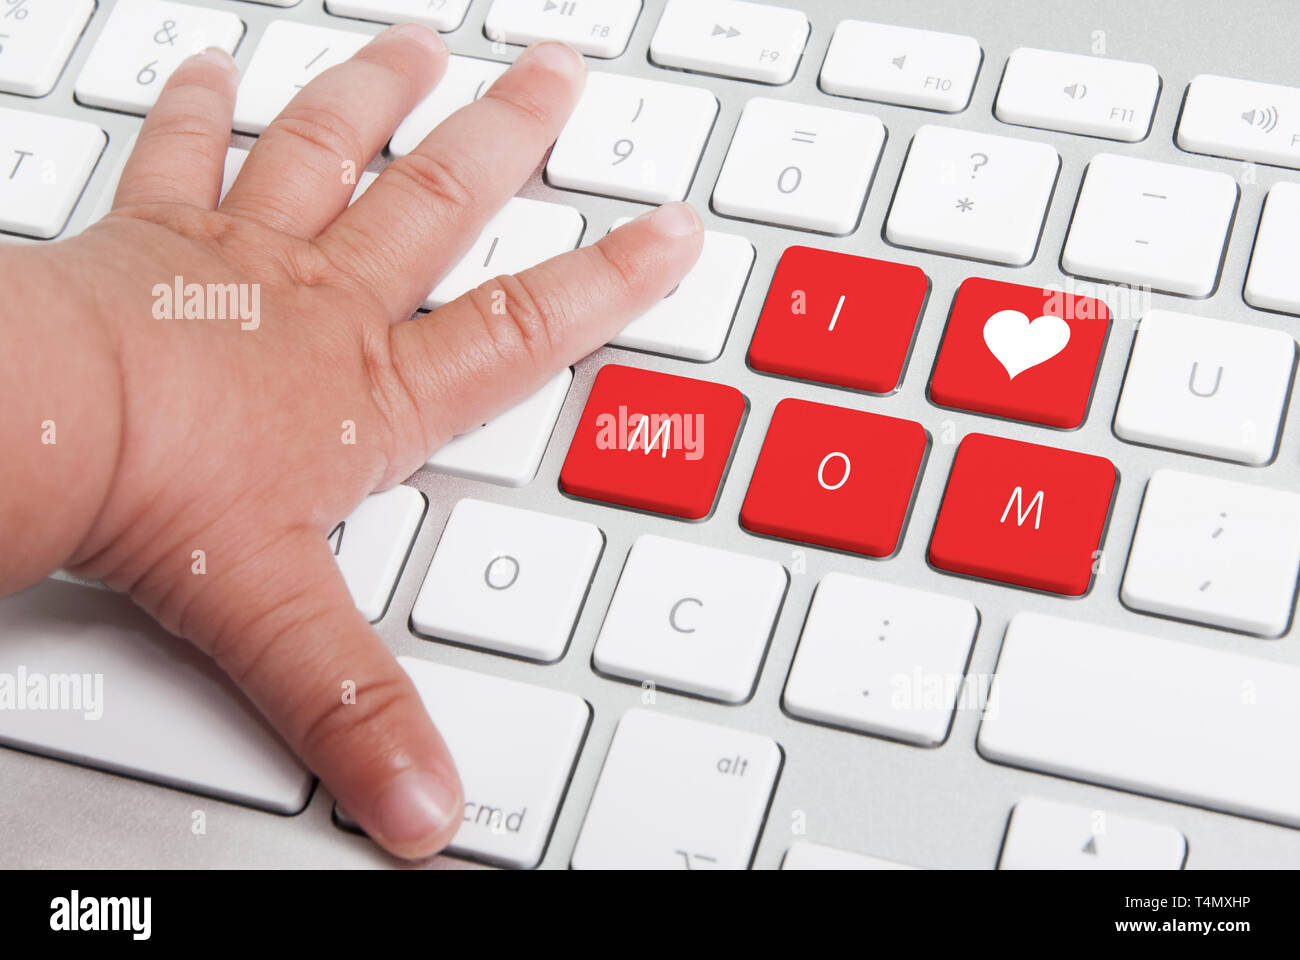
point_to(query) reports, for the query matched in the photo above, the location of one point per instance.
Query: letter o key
(821, 470)
(498, 580)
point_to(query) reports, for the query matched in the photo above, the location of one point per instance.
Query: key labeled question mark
(980, 159)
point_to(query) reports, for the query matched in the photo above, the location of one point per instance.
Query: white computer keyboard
(992, 338)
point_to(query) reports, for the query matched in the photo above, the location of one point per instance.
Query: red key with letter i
(835, 477)
(1023, 513)
(653, 441)
(839, 319)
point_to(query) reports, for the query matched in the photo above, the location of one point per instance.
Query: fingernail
(675, 220)
(420, 33)
(556, 58)
(215, 56)
(414, 807)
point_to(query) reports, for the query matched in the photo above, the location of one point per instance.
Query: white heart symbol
(1019, 344)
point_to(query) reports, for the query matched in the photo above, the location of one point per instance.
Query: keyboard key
(678, 794)
(1207, 387)
(372, 544)
(973, 195)
(508, 580)
(466, 79)
(1047, 835)
(731, 38)
(633, 139)
(1025, 353)
(141, 43)
(691, 618)
(288, 57)
(1161, 717)
(514, 745)
(801, 166)
(803, 855)
(36, 41)
(442, 15)
(1241, 119)
(653, 441)
(1217, 552)
(692, 322)
(839, 319)
(835, 477)
(881, 659)
(507, 449)
(912, 68)
(522, 234)
(1078, 94)
(1273, 282)
(139, 702)
(1023, 514)
(596, 29)
(1159, 225)
(46, 163)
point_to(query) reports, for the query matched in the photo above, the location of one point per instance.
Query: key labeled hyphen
(653, 441)
(840, 319)
(835, 477)
(1024, 514)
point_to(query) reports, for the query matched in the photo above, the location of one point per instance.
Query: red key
(1024, 514)
(653, 441)
(835, 478)
(1025, 353)
(839, 319)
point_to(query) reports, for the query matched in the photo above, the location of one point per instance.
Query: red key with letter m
(653, 441)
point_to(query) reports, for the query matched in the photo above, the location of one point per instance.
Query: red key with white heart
(1024, 353)
(839, 319)
(1024, 514)
(653, 441)
(835, 477)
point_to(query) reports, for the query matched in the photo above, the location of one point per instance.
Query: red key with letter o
(840, 319)
(835, 477)
(1023, 513)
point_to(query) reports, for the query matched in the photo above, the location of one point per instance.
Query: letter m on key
(1022, 511)
(663, 431)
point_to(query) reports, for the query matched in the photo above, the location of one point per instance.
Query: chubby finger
(426, 208)
(284, 626)
(180, 151)
(499, 343)
(305, 165)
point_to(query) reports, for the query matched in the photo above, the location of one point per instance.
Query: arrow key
(1046, 835)
(731, 38)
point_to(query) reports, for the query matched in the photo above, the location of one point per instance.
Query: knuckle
(522, 103)
(433, 176)
(318, 128)
(324, 721)
(515, 316)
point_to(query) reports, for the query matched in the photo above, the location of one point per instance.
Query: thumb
(282, 623)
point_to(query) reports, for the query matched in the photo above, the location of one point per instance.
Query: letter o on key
(501, 572)
(821, 470)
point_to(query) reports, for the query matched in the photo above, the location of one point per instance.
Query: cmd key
(653, 441)
(1023, 514)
